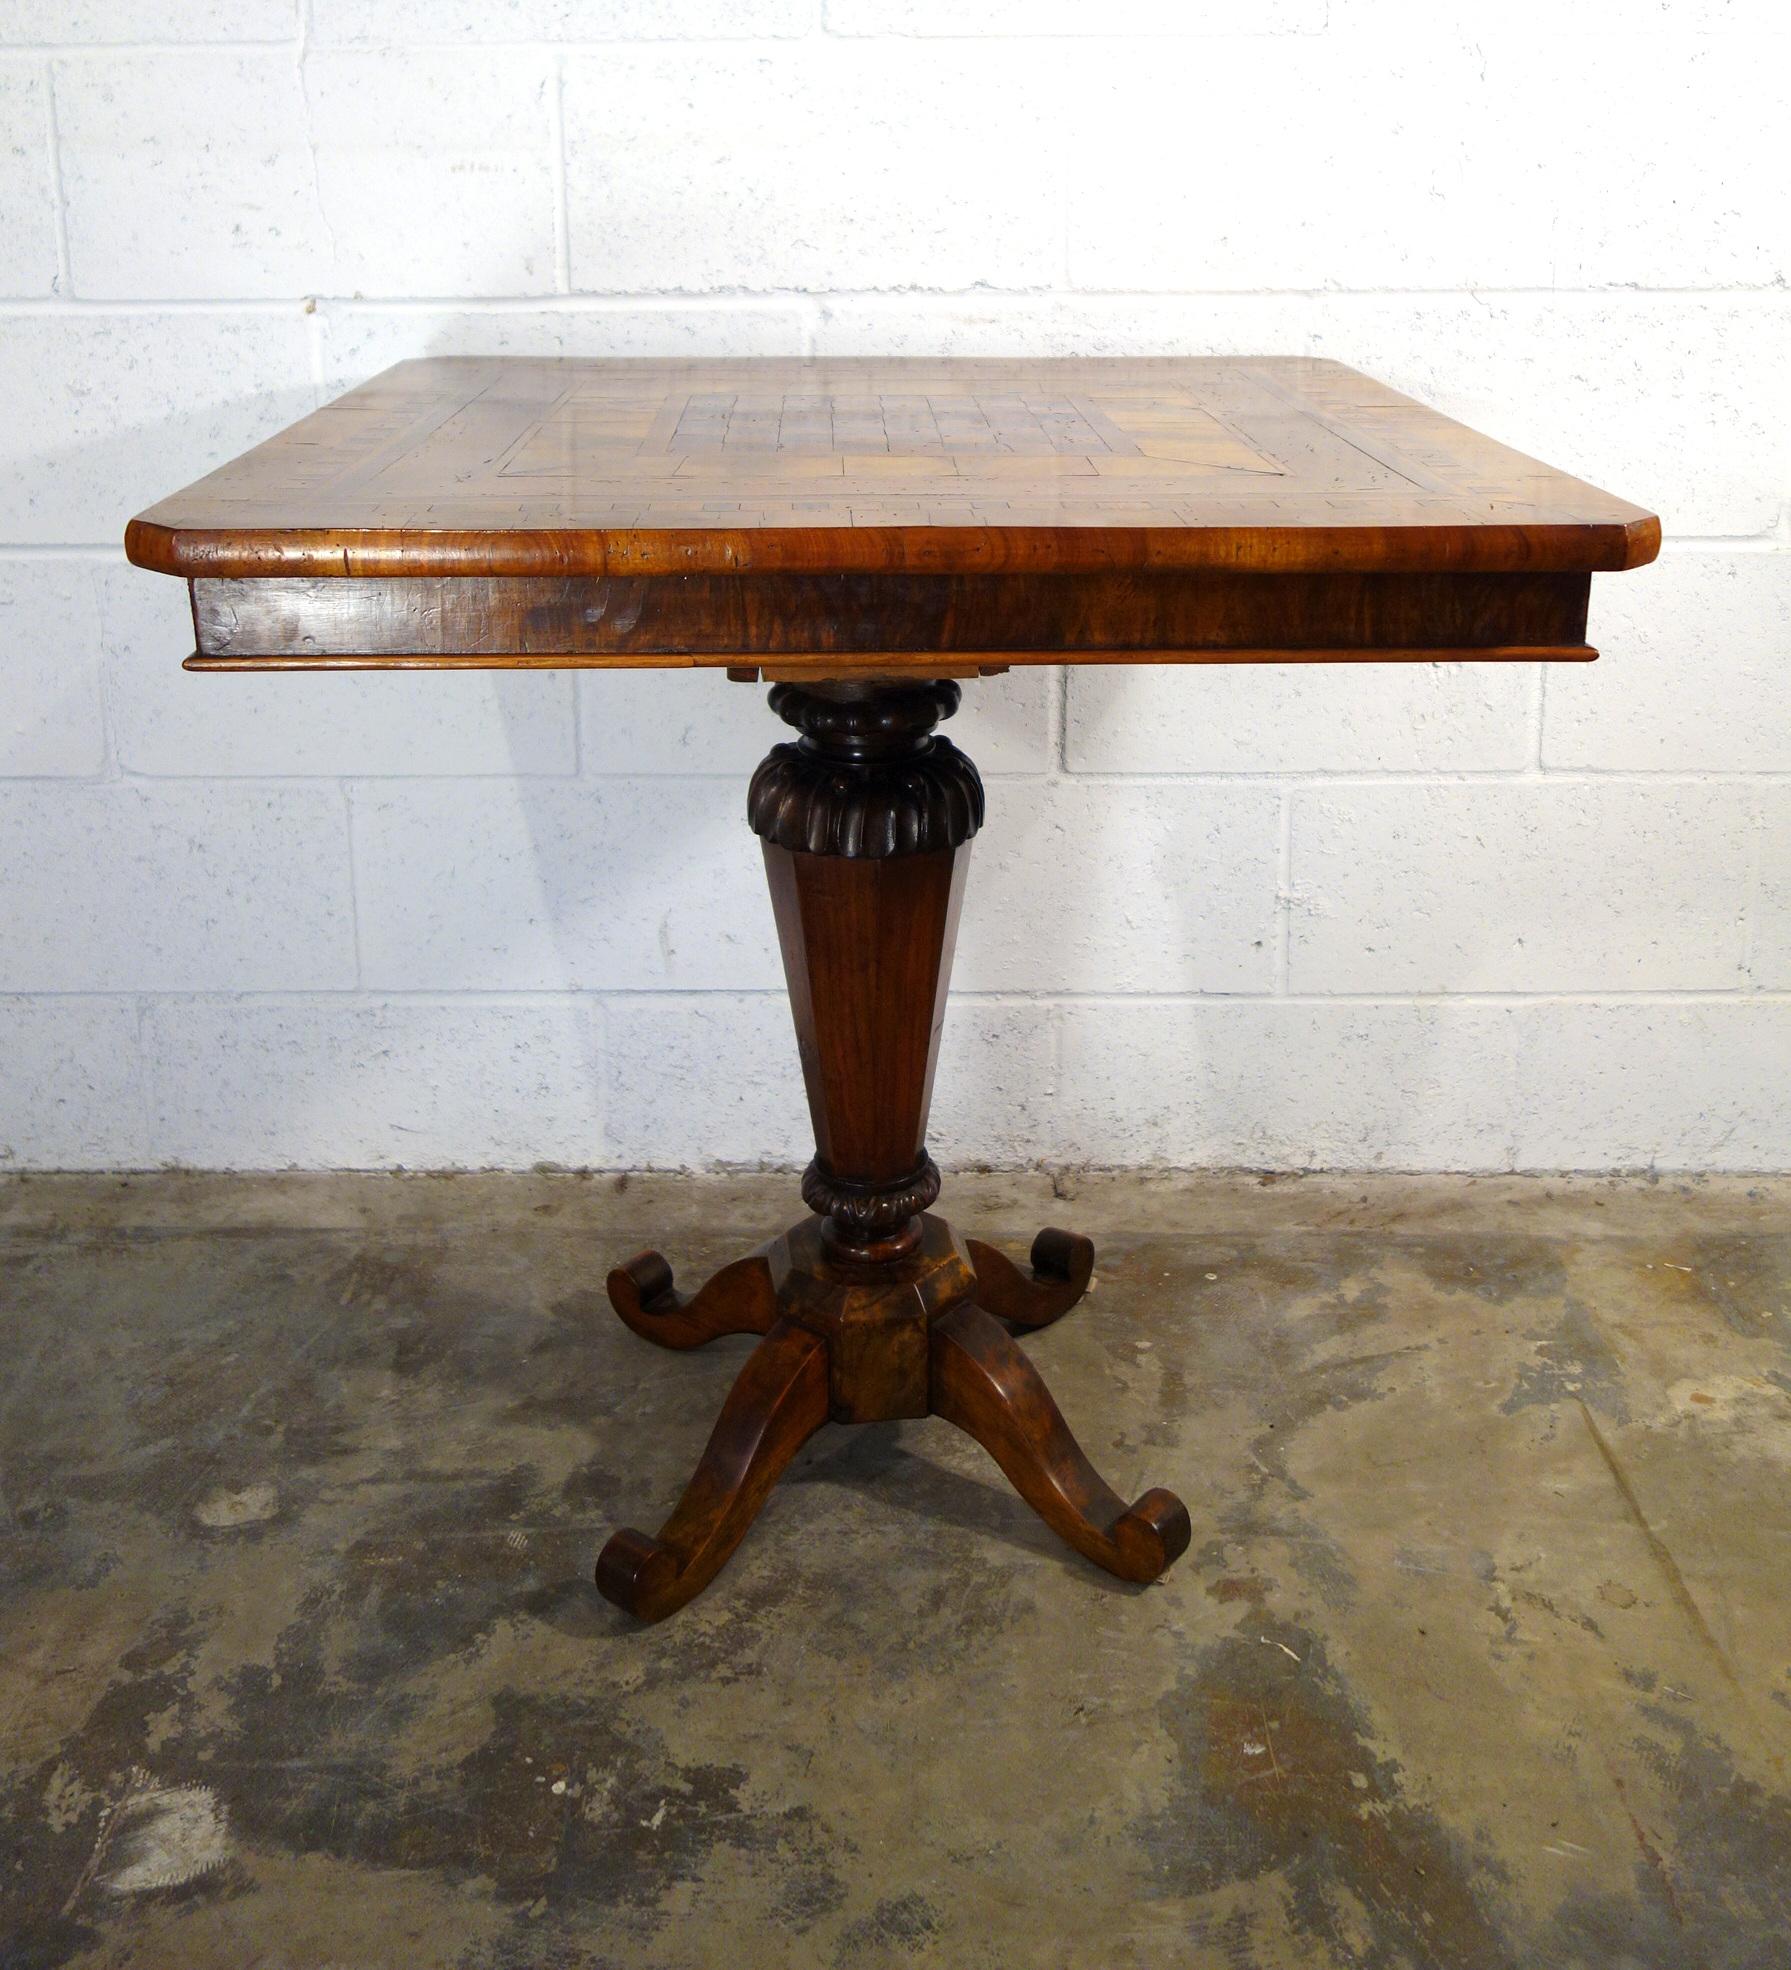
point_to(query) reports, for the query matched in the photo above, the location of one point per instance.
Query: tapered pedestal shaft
(866, 823)
(873, 1308)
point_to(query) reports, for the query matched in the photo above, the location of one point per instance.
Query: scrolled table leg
(739, 1299)
(777, 1403)
(1062, 1266)
(986, 1386)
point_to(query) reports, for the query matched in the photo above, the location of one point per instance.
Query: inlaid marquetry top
(506, 467)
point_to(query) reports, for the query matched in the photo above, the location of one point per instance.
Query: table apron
(904, 620)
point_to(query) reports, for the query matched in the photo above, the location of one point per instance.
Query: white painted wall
(1473, 918)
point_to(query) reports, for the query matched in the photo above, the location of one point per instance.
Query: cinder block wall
(1476, 918)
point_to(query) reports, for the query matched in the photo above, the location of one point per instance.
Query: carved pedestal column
(866, 825)
(872, 1309)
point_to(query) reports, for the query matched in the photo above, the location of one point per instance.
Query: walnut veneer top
(500, 466)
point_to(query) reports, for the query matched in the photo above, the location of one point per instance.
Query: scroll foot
(739, 1299)
(777, 1403)
(1062, 1265)
(986, 1386)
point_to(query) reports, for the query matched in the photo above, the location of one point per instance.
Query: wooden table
(863, 533)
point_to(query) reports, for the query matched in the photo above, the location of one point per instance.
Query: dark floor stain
(1730, 1837)
(485, 1535)
(1275, 1774)
(899, 1923)
(1529, 1597)
(1712, 1877)
(1499, 1270)
(1571, 1360)
(50, 1544)
(1745, 1280)
(1239, 1587)
(809, 1893)
(569, 1374)
(587, 1809)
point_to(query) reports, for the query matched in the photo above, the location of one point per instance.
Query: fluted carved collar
(869, 777)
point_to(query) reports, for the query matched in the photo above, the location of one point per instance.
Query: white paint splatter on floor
(163, 1836)
(223, 1510)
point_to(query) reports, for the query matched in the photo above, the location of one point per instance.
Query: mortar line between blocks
(914, 300)
(734, 1168)
(660, 995)
(354, 886)
(819, 34)
(1751, 888)
(314, 348)
(1284, 896)
(562, 220)
(145, 1105)
(1343, 779)
(53, 137)
(61, 550)
(112, 772)
(1342, 782)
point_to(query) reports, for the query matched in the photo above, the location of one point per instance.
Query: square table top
(502, 466)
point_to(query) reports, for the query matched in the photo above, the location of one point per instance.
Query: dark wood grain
(1062, 1265)
(1171, 614)
(874, 1309)
(776, 1405)
(489, 466)
(866, 952)
(866, 824)
(739, 1299)
(984, 1384)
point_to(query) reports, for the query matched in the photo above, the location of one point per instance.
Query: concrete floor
(1481, 1655)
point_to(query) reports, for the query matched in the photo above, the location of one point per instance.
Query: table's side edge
(148, 544)
(750, 664)
(1643, 540)
(249, 552)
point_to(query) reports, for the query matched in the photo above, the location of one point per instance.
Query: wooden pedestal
(873, 1308)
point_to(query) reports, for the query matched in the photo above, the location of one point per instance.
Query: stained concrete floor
(1481, 1656)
